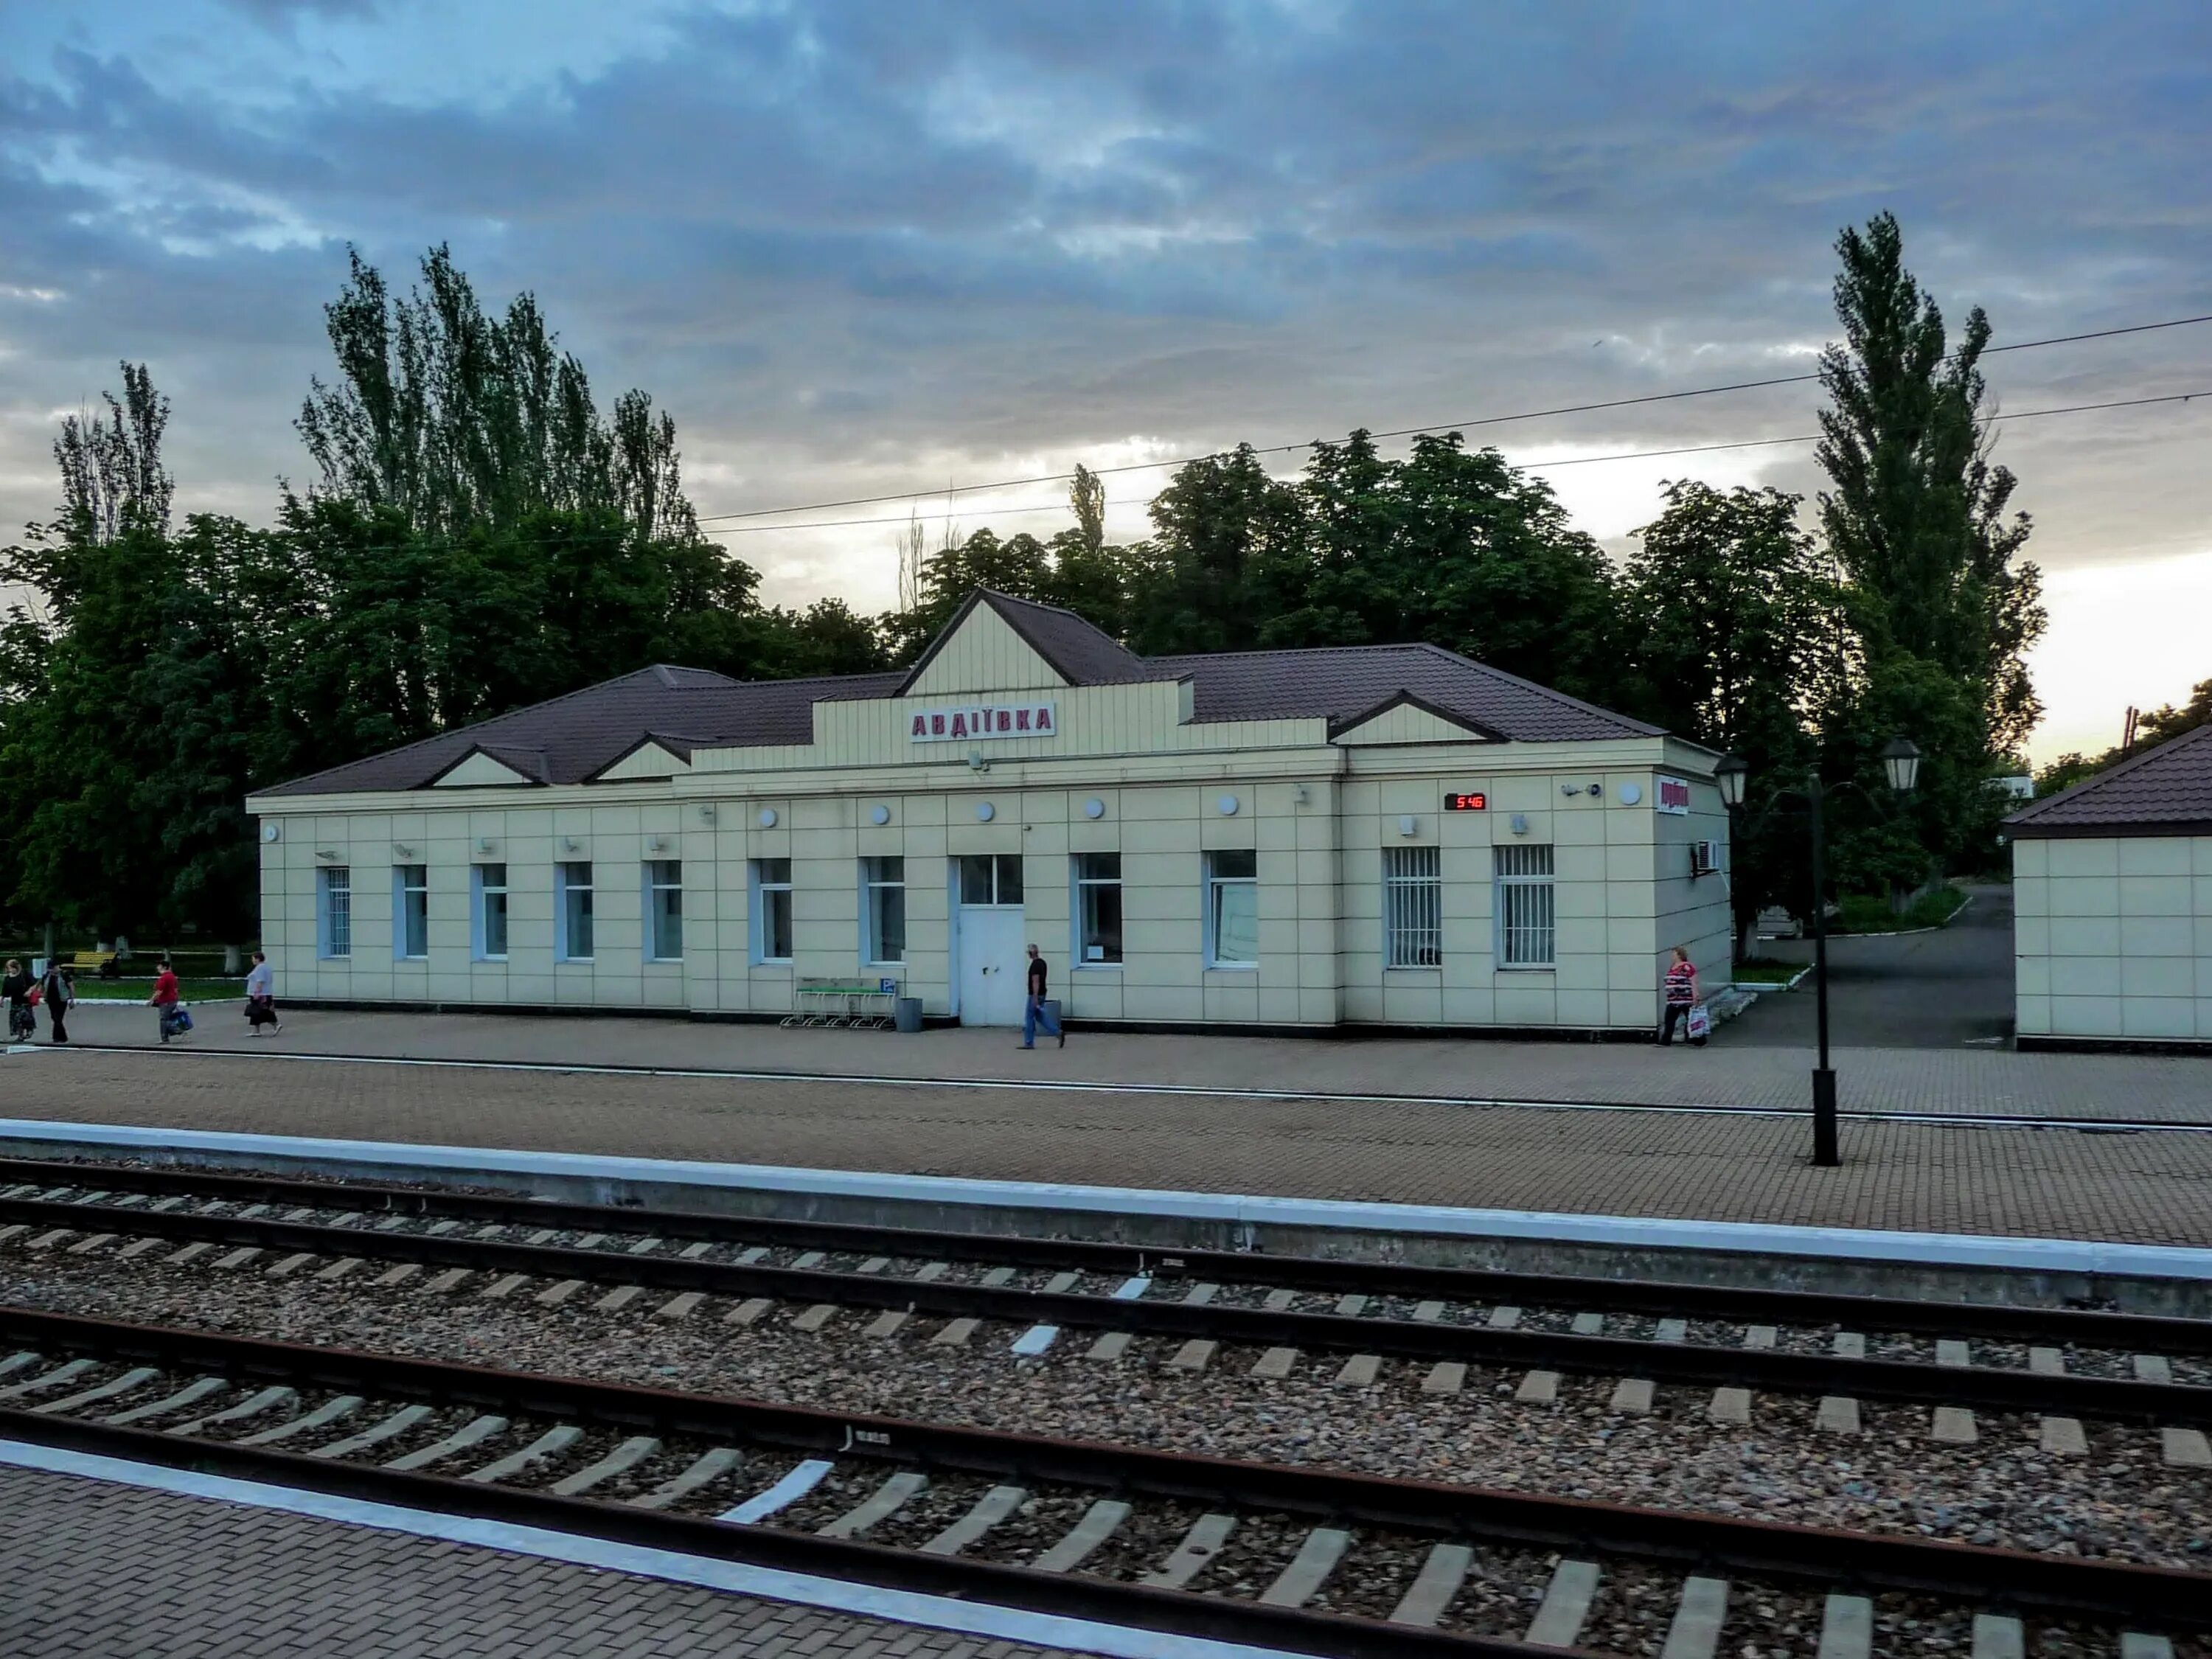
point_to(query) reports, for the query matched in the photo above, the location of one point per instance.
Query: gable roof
(573, 738)
(1340, 726)
(2166, 791)
(1074, 649)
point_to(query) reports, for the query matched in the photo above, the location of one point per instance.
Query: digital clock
(1474, 802)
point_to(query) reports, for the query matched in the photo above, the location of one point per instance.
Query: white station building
(1369, 836)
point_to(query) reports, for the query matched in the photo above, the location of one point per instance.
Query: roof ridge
(1551, 691)
(2110, 775)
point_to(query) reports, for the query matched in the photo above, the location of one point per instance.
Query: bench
(859, 1005)
(104, 962)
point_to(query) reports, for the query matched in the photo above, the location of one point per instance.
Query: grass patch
(1765, 970)
(91, 988)
(1869, 913)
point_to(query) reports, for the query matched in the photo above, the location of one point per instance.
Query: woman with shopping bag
(1681, 1002)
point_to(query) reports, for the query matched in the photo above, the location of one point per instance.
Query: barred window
(1524, 907)
(1413, 908)
(337, 918)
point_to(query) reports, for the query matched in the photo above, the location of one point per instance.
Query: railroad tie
(1200, 1546)
(874, 1264)
(338, 1269)
(814, 1318)
(239, 1257)
(471, 1434)
(618, 1298)
(490, 1231)
(1034, 1341)
(255, 1211)
(398, 1275)
(19, 1360)
(1761, 1336)
(693, 1252)
(1060, 1283)
(1538, 1388)
(928, 1274)
(748, 1312)
(1112, 1345)
(1671, 1330)
(1276, 1364)
(2135, 1645)
(2062, 1436)
(1099, 1524)
(622, 1458)
(87, 1246)
(136, 1377)
(1846, 1628)
(544, 1235)
(1730, 1406)
(68, 1371)
(389, 1428)
(992, 1507)
(1360, 1372)
(330, 1412)
(752, 1255)
(794, 1485)
(1279, 1301)
(1698, 1617)
(1445, 1376)
(2185, 1448)
(887, 1324)
(1589, 1324)
(451, 1279)
(1298, 1582)
(1838, 1414)
(255, 1406)
(1953, 1425)
(504, 1286)
(438, 1229)
(887, 1500)
(1632, 1396)
(809, 1260)
(2047, 1362)
(682, 1305)
(548, 1445)
(1434, 1587)
(1351, 1306)
(1949, 1351)
(954, 1335)
(2153, 1368)
(997, 1279)
(191, 1393)
(13, 1231)
(1130, 1290)
(138, 1247)
(708, 1466)
(554, 1295)
(192, 1252)
(1566, 1604)
(1195, 1355)
(47, 1240)
(1998, 1637)
(1504, 1319)
(1198, 1295)
(1427, 1312)
(1849, 1345)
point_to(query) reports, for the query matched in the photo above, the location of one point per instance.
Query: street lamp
(1900, 763)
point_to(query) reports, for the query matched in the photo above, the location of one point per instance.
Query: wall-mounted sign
(989, 720)
(1674, 796)
(1471, 801)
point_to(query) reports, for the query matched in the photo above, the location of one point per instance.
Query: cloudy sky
(867, 248)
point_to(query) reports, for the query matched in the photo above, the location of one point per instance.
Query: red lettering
(960, 726)
(1006, 720)
(1044, 720)
(921, 726)
(937, 726)
(1021, 720)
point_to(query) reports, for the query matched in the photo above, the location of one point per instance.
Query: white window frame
(564, 932)
(874, 880)
(1413, 908)
(654, 882)
(334, 920)
(763, 890)
(1526, 907)
(481, 890)
(998, 862)
(1215, 884)
(1077, 946)
(402, 888)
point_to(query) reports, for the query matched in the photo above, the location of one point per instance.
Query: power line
(1414, 431)
(1524, 466)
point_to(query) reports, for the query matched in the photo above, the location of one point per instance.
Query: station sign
(1472, 800)
(1673, 796)
(971, 722)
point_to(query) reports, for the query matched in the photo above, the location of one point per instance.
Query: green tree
(1216, 524)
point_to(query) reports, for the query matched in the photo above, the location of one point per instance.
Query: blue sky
(863, 248)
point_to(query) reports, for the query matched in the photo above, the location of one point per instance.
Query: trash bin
(906, 1013)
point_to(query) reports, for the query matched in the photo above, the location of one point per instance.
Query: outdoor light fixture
(1408, 824)
(1729, 772)
(985, 811)
(1094, 808)
(1227, 806)
(1900, 758)
(879, 815)
(768, 817)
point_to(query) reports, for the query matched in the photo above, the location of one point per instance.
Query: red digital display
(1477, 802)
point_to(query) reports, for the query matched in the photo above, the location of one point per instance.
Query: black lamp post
(1900, 763)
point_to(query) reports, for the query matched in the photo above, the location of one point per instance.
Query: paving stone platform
(95, 1571)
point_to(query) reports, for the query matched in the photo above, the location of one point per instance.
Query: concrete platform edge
(1246, 1213)
(902, 1606)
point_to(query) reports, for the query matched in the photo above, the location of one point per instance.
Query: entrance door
(993, 959)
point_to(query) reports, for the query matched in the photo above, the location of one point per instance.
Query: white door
(993, 965)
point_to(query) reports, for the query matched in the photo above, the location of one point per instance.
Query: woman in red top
(164, 1000)
(1681, 994)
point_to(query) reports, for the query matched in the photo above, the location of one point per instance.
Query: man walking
(1035, 1010)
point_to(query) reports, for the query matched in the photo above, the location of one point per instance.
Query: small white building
(1384, 836)
(2112, 901)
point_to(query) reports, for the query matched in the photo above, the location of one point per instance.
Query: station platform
(2016, 1149)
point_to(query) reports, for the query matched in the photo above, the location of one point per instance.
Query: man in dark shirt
(1034, 1010)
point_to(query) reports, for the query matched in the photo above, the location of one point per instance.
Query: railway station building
(2113, 905)
(1378, 836)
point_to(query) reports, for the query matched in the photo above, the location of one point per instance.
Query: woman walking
(1681, 996)
(16, 988)
(261, 995)
(57, 990)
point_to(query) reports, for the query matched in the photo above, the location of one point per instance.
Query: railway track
(1308, 1560)
(2061, 1364)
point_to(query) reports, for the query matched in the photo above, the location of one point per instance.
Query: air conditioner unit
(1704, 858)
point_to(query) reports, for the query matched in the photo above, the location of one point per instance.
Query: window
(410, 911)
(491, 912)
(335, 930)
(884, 888)
(664, 909)
(1232, 910)
(990, 879)
(1524, 907)
(772, 909)
(1097, 909)
(1413, 908)
(573, 916)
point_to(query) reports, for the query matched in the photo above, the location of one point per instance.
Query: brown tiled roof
(572, 738)
(2161, 792)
